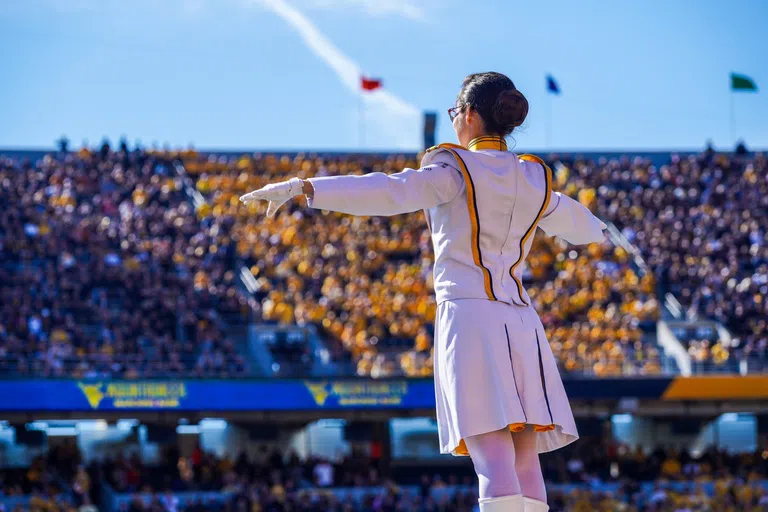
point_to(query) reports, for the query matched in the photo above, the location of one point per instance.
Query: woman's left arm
(371, 194)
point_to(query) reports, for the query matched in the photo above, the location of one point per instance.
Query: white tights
(507, 464)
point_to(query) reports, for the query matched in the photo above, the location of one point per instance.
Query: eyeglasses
(454, 111)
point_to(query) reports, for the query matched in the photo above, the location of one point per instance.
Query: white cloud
(396, 121)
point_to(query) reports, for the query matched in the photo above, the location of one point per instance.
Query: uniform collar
(488, 142)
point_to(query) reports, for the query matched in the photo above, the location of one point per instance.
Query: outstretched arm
(371, 194)
(571, 221)
(381, 194)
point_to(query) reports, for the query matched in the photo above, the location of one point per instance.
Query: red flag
(370, 84)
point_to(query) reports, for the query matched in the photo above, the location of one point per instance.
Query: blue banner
(266, 395)
(214, 395)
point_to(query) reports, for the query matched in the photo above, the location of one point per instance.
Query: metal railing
(94, 366)
(118, 366)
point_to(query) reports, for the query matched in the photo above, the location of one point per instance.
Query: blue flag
(552, 85)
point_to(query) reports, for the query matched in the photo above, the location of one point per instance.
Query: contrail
(395, 117)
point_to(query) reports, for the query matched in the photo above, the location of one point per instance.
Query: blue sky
(280, 74)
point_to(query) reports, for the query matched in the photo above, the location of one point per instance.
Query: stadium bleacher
(598, 474)
(700, 223)
(107, 272)
(130, 277)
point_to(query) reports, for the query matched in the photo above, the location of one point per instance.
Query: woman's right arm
(436, 182)
(387, 194)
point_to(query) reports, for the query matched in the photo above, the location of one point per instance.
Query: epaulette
(449, 145)
(532, 158)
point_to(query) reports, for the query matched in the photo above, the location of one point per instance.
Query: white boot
(532, 505)
(502, 504)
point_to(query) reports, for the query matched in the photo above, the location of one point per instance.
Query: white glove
(276, 193)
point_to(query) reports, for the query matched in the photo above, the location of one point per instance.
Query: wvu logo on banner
(133, 395)
(356, 394)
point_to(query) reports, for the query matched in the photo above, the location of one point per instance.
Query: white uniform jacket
(483, 205)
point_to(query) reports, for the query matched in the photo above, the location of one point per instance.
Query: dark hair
(494, 96)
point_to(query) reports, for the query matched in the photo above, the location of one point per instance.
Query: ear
(472, 117)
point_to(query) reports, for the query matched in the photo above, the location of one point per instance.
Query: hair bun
(510, 109)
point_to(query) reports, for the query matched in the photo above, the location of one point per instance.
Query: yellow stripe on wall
(475, 223)
(714, 387)
(532, 228)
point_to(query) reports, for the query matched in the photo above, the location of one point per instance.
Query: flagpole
(361, 121)
(549, 121)
(733, 139)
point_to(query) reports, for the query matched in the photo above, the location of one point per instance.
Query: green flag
(742, 83)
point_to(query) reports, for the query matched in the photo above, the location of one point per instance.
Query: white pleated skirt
(494, 369)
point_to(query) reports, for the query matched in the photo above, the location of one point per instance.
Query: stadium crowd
(701, 223)
(595, 474)
(106, 272)
(110, 268)
(54, 482)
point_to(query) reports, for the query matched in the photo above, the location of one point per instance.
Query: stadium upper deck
(113, 265)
